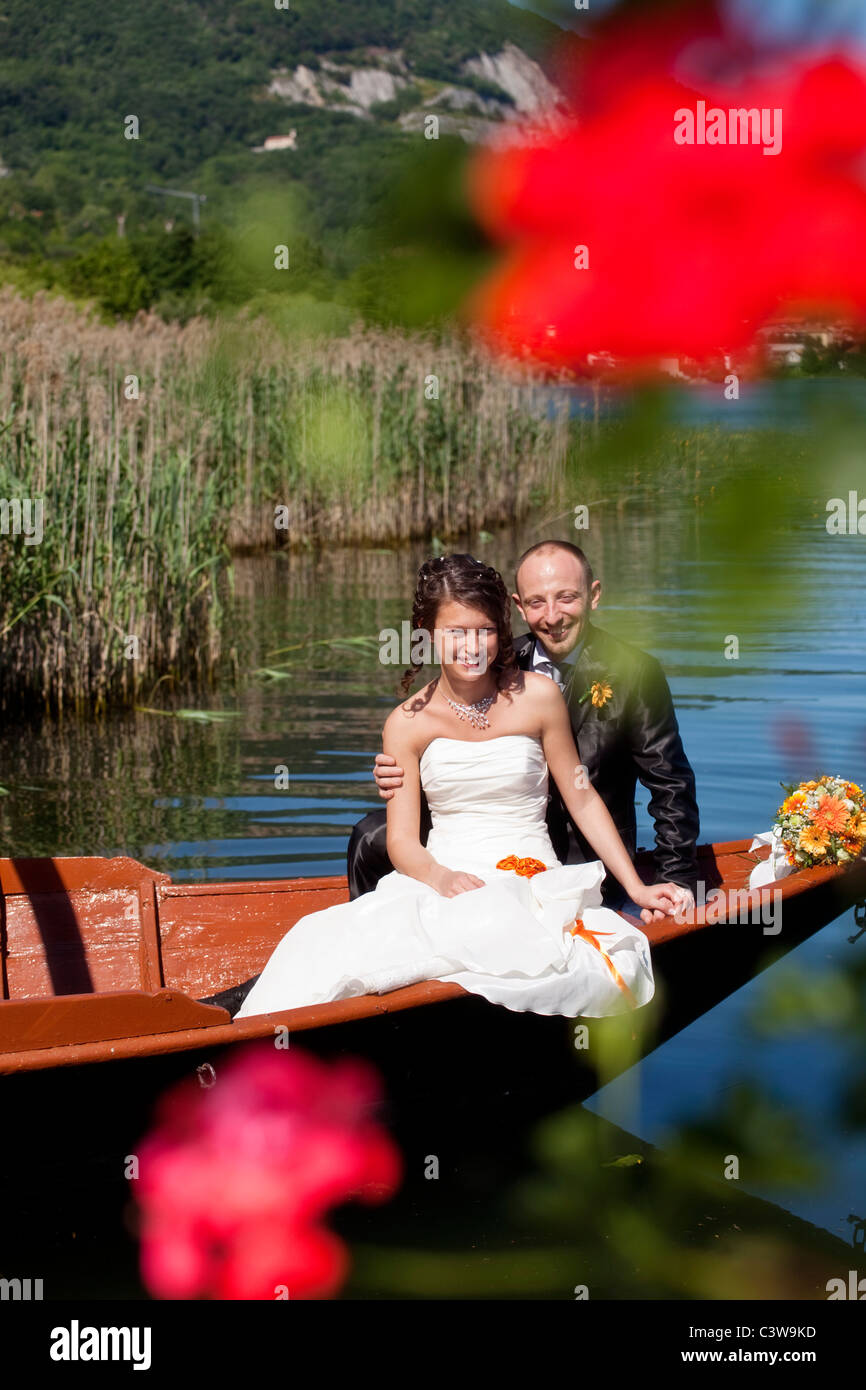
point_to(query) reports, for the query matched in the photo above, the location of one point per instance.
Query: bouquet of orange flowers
(822, 822)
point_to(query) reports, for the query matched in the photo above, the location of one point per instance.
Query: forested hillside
(209, 82)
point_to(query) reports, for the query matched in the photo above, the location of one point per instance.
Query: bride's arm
(586, 807)
(405, 850)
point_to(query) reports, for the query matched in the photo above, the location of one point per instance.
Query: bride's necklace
(475, 713)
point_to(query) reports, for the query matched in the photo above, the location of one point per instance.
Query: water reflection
(795, 1034)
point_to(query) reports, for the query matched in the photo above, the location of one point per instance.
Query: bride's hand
(449, 883)
(657, 900)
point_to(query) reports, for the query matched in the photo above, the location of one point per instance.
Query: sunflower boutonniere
(599, 692)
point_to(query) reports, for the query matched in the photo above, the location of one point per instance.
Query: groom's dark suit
(633, 736)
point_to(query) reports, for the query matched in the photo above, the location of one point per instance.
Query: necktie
(568, 679)
(547, 668)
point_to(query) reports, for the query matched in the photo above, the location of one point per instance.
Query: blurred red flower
(235, 1180)
(690, 247)
(794, 739)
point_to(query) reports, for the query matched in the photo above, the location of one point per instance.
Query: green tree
(111, 274)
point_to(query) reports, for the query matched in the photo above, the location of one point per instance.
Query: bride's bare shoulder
(411, 712)
(539, 687)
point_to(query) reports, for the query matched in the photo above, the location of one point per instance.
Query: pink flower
(235, 1180)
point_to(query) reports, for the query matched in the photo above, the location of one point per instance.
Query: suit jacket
(633, 737)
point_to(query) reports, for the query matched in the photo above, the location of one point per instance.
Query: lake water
(759, 404)
(198, 800)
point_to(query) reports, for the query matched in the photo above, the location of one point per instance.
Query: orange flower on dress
(524, 868)
(795, 802)
(857, 825)
(831, 815)
(527, 868)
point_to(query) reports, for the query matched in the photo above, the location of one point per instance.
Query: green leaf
(337, 642)
(203, 716)
(211, 560)
(44, 593)
(207, 716)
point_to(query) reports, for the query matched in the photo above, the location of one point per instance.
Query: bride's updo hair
(462, 579)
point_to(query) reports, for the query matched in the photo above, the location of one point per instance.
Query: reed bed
(356, 445)
(158, 449)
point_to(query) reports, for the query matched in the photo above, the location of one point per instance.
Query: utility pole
(197, 200)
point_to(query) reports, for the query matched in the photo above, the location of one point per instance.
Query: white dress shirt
(548, 667)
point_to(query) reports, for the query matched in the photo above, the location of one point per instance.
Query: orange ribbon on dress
(586, 935)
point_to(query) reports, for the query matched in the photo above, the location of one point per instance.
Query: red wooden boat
(105, 959)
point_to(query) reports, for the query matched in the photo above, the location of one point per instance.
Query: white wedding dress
(509, 941)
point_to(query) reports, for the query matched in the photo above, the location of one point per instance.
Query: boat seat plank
(84, 1018)
(60, 875)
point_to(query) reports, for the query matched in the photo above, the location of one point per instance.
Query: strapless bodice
(487, 800)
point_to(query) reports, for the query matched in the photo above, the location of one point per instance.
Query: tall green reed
(158, 449)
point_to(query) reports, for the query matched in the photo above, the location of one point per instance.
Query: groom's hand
(664, 900)
(682, 907)
(655, 901)
(678, 902)
(389, 777)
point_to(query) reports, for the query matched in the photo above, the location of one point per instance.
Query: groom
(624, 726)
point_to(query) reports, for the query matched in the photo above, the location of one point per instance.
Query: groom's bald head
(545, 548)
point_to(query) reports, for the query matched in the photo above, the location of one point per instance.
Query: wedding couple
(479, 871)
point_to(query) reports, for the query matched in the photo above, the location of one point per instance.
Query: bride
(486, 903)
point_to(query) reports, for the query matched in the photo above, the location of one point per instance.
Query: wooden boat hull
(104, 959)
